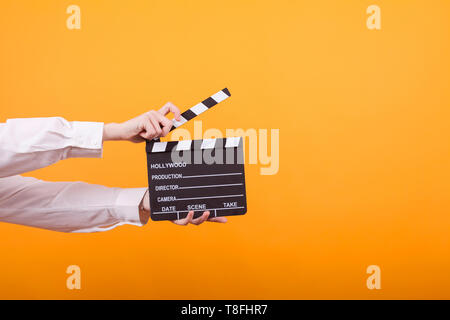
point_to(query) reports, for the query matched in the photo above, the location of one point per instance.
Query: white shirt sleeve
(68, 206)
(29, 144)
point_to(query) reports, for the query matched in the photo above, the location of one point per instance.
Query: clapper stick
(200, 108)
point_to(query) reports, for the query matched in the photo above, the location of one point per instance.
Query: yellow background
(364, 144)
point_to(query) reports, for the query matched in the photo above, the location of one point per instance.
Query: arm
(69, 206)
(29, 144)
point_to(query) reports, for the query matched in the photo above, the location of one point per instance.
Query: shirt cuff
(87, 139)
(127, 205)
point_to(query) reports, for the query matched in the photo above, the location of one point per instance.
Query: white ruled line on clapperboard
(216, 187)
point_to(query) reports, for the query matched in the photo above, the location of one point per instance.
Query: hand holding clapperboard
(198, 175)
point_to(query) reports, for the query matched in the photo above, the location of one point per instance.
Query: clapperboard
(198, 175)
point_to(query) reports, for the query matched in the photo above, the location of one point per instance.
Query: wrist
(145, 203)
(111, 132)
(144, 208)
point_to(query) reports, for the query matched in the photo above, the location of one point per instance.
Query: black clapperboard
(198, 175)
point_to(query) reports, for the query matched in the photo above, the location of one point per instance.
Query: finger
(152, 115)
(149, 129)
(201, 219)
(170, 107)
(165, 123)
(139, 138)
(185, 221)
(218, 219)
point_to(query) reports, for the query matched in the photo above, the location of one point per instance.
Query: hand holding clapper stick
(195, 110)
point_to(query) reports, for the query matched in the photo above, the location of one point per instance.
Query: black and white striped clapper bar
(199, 175)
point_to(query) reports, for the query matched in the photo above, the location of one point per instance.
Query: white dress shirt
(29, 144)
